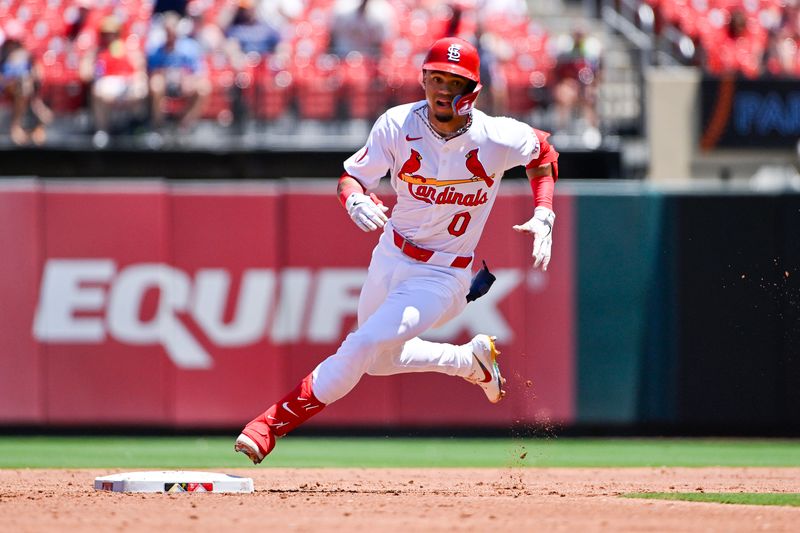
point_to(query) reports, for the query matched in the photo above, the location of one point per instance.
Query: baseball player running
(446, 160)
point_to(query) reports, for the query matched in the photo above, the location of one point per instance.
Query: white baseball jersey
(445, 189)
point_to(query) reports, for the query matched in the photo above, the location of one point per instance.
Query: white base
(173, 481)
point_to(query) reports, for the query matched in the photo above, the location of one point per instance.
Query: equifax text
(91, 301)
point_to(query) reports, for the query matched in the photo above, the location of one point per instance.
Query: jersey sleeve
(547, 153)
(373, 161)
(524, 145)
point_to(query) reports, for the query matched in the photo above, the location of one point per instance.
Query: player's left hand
(541, 227)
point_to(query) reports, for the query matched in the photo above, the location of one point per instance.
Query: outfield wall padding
(625, 309)
(687, 309)
(195, 305)
(737, 285)
(198, 305)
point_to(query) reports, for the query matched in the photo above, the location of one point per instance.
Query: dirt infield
(385, 500)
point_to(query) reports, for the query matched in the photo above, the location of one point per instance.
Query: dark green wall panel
(621, 247)
(688, 310)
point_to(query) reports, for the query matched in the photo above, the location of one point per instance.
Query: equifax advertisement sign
(197, 306)
(91, 301)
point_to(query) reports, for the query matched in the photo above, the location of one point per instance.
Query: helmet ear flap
(463, 104)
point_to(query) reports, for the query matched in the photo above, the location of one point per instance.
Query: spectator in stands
(252, 34)
(494, 99)
(577, 78)
(18, 82)
(744, 51)
(456, 18)
(281, 13)
(510, 8)
(211, 37)
(75, 19)
(737, 25)
(780, 55)
(453, 26)
(80, 32)
(362, 26)
(174, 6)
(177, 71)
(119, 77)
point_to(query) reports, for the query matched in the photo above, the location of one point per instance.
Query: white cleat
(486, 372)
(247, 446)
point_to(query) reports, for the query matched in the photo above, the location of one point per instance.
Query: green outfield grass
(741, 498)
(215, 452)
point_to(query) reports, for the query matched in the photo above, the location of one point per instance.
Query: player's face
(440, 89)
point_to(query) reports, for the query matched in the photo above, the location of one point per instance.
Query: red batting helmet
(455, 56)
(458, 57)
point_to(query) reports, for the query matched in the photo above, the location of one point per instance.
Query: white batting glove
(367, 215)
(541, 227)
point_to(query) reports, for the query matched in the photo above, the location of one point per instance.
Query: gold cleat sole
(495, 353)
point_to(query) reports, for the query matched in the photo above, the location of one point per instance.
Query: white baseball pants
(401, 299)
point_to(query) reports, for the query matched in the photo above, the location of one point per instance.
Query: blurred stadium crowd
(150, 65)
(752, 38)
(160, 66)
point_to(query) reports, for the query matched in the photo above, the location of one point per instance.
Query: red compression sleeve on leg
(346, 188)
(294, 408)
(542, 187)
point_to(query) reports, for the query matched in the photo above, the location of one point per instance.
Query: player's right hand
(367, 214)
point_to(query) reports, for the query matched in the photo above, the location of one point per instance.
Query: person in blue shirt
(178, 71)
(252, 34)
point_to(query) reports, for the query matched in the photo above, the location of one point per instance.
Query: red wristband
(346, 188)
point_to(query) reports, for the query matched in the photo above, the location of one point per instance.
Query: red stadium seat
(223, 84)
(361, 88)
(269, 96)
(318, 87)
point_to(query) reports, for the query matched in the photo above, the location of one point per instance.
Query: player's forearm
(542, 185)
(347, 186)
(543, 172)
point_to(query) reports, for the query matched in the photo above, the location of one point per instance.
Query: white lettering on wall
(64, 292)
(89, 300)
